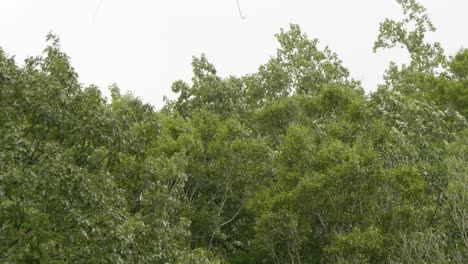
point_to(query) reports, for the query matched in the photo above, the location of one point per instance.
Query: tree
(78, 178)
(291, 164)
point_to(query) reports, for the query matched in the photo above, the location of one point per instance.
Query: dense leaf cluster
(291, 164)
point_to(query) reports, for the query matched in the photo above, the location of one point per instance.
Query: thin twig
(242, 16)
(97, 10)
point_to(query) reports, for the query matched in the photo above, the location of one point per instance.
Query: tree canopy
(294, 163)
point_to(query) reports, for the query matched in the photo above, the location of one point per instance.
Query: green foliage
(79, 181)
(291, 164)
(409, 33)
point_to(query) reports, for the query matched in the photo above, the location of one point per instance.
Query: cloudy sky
(145, 45)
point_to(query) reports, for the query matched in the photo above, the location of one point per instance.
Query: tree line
(294, 163)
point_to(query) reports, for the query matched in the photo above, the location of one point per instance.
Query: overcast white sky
(145, 45)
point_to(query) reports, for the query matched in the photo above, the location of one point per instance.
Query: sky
(143, 46)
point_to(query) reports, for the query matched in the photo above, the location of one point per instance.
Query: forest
(294, 163)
